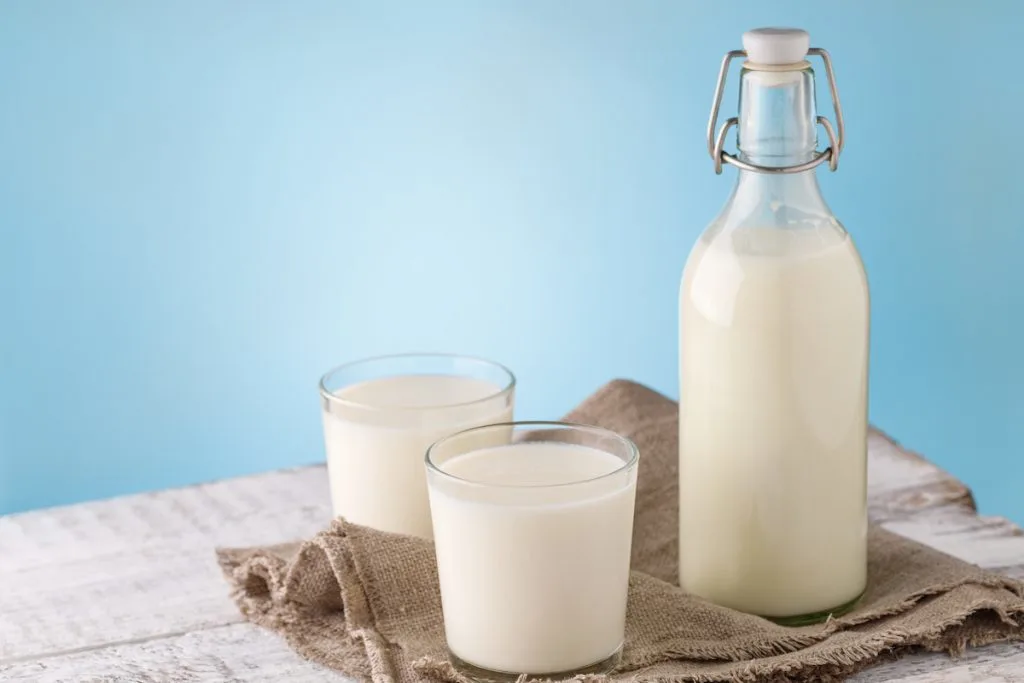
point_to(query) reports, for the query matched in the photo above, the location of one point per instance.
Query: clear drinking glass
(381, 414)
(533, 547)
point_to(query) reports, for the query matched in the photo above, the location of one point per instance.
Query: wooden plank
(901, 483)
(127, 589)
(246, 654)
(991, 542)
(141, 566)
(112, 598)
(238, 652)
(239, 511)
(1002, 663)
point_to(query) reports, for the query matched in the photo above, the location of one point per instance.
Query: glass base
(480, 675)
(816, 617)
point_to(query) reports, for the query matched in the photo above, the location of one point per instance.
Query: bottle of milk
(773, 361)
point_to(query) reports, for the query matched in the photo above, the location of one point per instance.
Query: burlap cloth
(366, 603)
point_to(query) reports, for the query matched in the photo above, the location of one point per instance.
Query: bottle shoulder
(771, 226)
(728, 262)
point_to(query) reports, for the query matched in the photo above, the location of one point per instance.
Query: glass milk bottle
(774, 362)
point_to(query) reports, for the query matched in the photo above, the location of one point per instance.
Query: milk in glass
(377, 432)
(533, 548)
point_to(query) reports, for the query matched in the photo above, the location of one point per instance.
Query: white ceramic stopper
(776, 45)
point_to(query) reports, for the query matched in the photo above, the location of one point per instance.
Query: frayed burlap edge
(264, 585)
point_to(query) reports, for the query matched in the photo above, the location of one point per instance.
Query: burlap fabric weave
(366, 603)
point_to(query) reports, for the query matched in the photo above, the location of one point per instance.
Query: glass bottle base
(481, 675)
(817, 617)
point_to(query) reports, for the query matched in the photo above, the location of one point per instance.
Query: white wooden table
(129, 590)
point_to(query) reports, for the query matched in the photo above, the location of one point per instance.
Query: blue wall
(205, 205)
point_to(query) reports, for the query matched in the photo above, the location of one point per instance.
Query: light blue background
(206, 204)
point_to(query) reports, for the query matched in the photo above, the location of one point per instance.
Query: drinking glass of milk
(381, 414)
(533, 546)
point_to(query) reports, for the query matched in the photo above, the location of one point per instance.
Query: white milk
(377, 436)
(773, 423)
(534, 580)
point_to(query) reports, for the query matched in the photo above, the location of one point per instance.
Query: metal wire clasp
(716, 143)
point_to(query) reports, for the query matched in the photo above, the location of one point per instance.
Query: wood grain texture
(1001, 663)
(128, 589)
(141, 566)
(238, 652)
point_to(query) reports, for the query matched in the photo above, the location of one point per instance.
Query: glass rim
(627, 464)
(329, 395)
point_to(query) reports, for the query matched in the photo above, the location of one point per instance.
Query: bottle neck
(777, 127)
(777, 118)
